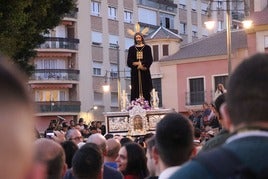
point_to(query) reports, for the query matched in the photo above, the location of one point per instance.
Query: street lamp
(90, 111)
(106, 86)
(93, 108)
(246, 24)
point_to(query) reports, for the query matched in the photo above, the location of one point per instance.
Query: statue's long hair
(142, 38)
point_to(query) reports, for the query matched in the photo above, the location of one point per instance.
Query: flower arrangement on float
(139, 102)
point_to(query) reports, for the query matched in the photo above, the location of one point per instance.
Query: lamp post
(118, 76)
(228, 37)
(246, 24)
(106, 87)
(90, 113)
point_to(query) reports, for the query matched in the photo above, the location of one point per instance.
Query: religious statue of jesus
(139, 60)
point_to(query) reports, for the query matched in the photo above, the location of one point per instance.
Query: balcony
(60, 43)
(195, 98)
(154, 27)
(72, 14)
(55, 74)
(58, 106)
(165, 5)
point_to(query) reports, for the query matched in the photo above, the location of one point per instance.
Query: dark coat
(108, 172)
(147, 60)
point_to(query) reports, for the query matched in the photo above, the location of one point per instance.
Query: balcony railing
(154, 27)
(55, 74)
(72, 14)
(195, 98)
(60, 43)
(166, 5)
(58, 106)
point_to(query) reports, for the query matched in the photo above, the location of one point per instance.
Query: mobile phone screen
(50, 134)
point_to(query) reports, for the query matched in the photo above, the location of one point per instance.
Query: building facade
(55, 80)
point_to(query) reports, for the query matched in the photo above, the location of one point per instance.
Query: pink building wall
(205, 69)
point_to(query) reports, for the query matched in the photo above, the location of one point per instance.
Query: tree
(23, 23)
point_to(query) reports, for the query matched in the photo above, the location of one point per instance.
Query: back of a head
(98, 139)
(174, 139)
(150, 143)
(113, 147)
(218, 102)
(52, 154)
(136, 160)
(69, 148)
(109, 136)
(125, 140)
(17, 122)
(248, 91)
(87, 162)
(13, 83)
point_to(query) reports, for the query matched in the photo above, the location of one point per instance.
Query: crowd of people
(208, 123)
(85, 129)
(234, 144)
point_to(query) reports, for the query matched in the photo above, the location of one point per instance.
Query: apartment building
(55, 80)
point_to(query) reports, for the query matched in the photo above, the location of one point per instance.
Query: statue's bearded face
(138, 39)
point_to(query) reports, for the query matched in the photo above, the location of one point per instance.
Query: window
(196, 94)
(147, 16)
(204, 32)
(63, 96)
(52, 67)
(167, 21)
(220, 25)
(96, 38)
(114, 99)
(194, 30)
(95, 8)
(182, 28)
(182, 4)
(220, 79)
(98, 98)
(114, 70)
(165, 50)
(97, 68)
(51, 95)
(113, 41)
(111, 12)
(204, 7)
(128, 16)
(155, 53)
(219, 4)
(50, 64)
(158, 87)
(193, 5)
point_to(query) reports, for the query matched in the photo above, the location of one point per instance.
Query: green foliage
(22, 23)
